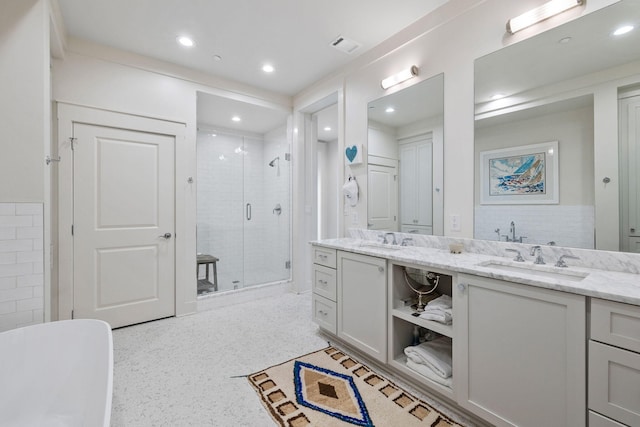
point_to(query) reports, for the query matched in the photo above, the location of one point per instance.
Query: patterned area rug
(330, 388)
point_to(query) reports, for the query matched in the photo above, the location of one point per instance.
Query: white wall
(24, 103)
(24, 177)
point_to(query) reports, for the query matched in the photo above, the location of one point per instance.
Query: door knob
(166, 236)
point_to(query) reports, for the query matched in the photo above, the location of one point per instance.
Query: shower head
(272, 163)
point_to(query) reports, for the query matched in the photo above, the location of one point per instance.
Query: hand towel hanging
(350, 190)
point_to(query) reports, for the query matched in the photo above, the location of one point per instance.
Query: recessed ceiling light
(564, 40)
(236, 118)
(267, 68)
(217, 58)
(390, 110)
(327, 128)
(623, 30)
(185, 41)
(497, 96)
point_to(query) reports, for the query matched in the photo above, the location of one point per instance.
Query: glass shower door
(243, 200)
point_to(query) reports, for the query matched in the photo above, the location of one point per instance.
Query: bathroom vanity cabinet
(362, 303)
(614, 364)
(324, 288)
(524, 354)
(519, 353)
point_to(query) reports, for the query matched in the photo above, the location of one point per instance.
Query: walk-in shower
(243, 208)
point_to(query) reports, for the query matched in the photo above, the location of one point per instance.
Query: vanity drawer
(614, 383)
(324, 256)
(597, 420)
(324, 282)
(324, 313)
(615, 323)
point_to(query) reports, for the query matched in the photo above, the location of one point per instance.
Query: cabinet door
(519, 353)
(362, 303)
(614, 382)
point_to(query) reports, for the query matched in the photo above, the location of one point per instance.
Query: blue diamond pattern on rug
(330, 392)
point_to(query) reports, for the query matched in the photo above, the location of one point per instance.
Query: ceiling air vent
(345, 45)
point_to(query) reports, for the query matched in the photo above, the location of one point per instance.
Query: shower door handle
(248, 211)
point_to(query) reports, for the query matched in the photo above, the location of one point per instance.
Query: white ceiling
(293, 35)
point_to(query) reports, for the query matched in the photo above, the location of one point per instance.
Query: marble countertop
(609, 285)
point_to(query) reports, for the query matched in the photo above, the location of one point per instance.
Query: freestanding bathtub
(57, 374)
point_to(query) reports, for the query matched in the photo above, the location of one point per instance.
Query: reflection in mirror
(405, 158)
(243, 195)
(555, 87)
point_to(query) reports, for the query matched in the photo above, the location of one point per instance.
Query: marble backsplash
(623, 262)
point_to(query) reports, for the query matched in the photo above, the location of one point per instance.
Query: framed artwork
(527, 174)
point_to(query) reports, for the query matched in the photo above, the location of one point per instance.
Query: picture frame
(526, 174)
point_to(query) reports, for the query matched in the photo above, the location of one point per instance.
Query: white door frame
(185, 272)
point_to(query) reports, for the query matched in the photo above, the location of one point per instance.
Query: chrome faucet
(407, 241)
(393, 236)
(537, 252)
(561, 262)
(518, 256)
(512, 236)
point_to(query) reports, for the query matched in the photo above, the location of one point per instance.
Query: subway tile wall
(21, 265)
(570, 226)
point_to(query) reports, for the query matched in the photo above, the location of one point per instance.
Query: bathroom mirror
(405, 159)
(556, 89)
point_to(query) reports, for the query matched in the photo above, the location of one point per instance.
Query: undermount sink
(536, 270)
(376, 245)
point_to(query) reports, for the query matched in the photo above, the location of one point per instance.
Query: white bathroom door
(382, 205)
(123, 224)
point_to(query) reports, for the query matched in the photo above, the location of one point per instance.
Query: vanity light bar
(400, 77)
(540, 13)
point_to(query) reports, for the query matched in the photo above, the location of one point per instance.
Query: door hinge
(72, 229)
(72, 314)
(287, 265)
(72, 140)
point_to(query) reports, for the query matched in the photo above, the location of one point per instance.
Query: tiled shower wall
(21, 265)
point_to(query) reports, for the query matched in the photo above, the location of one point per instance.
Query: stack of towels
(439, 310)
(432, 359)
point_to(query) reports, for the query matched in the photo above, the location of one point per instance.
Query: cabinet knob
(381, 269)
(461, 287)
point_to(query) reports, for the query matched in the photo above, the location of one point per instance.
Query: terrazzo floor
(189, 371)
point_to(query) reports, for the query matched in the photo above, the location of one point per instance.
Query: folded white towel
(439, 310)
(443, 302)
(435, 354)
(425, 371)
(437, 315)
(350, 190)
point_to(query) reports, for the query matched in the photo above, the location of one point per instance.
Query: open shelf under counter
(405, 313)
(400, 365)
